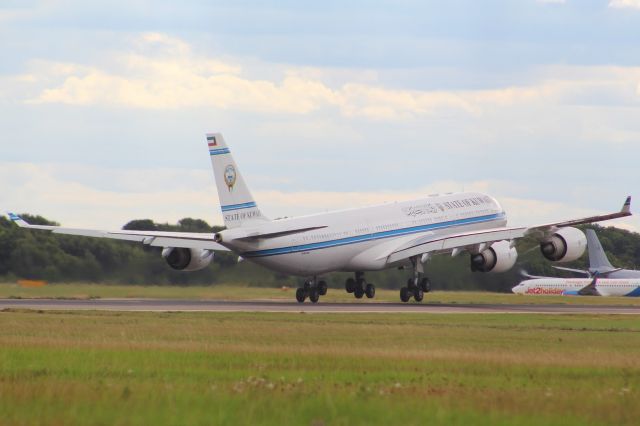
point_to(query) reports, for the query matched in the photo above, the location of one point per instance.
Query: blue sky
(325, 105)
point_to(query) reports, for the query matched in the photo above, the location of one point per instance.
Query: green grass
(215, 368)
(242, 292)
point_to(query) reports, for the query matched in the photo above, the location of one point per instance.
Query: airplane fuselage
(572, 286)
(361, 239)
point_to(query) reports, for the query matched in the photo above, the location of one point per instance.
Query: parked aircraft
(599, 262)
(356, 240)
(580, 287)
(602, 278)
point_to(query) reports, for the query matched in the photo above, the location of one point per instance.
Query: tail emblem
(211, 141)
(230, 177)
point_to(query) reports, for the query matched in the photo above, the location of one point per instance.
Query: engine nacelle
(500, 257)
(185, 259)
(566, 245)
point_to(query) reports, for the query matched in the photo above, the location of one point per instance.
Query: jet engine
(185, 259)
(500, 257)
(566, 245)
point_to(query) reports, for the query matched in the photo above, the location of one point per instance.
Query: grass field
(213, 368)
(239, 292)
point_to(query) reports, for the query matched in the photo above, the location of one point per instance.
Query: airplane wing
(624, 212)
(152, 238)
(465, 240)
(590, 290)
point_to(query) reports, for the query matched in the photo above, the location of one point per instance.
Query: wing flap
(450, 242)
(81, 232)
(276, 234)
(179, 242)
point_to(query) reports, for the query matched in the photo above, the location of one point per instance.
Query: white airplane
(580, 287)
(599, 264)
(357, 240)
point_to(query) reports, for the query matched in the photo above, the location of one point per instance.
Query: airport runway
(166, 305)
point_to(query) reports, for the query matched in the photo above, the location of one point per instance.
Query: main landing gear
(416, 286)
(312, 289)
(359, 287)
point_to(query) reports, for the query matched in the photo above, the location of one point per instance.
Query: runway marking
(168, 305)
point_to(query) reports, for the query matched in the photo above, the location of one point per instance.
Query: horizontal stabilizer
(577, 271)
(525, 274)
(600, 273)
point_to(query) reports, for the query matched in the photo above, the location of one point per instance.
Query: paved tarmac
(167, 305)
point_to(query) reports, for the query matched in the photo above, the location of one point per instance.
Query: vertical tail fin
(237, 203)
(597, 257)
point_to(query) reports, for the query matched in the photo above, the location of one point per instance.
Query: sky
(325, 105)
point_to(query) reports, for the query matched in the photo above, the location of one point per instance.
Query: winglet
(18, 220)
(626, 207)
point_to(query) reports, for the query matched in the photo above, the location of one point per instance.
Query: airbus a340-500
(357, 240)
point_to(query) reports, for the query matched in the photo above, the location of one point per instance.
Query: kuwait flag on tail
(211, 140)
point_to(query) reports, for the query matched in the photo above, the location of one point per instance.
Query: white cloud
(165, 73)
(625, 4)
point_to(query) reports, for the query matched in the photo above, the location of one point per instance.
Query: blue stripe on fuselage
(238, 206)
(370, 237)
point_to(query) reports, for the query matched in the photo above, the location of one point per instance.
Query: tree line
(26, 254)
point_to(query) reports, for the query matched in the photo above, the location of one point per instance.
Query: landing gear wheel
(350, 285)
(358, 292)
(405, 294)
(301, 294)
(314, 295)
(322, 288)
(418, 294)
(425, 285)
(370, 291)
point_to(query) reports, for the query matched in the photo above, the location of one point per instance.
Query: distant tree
(194, 225)
(141, 225)
(43, 255)
(38, 220)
